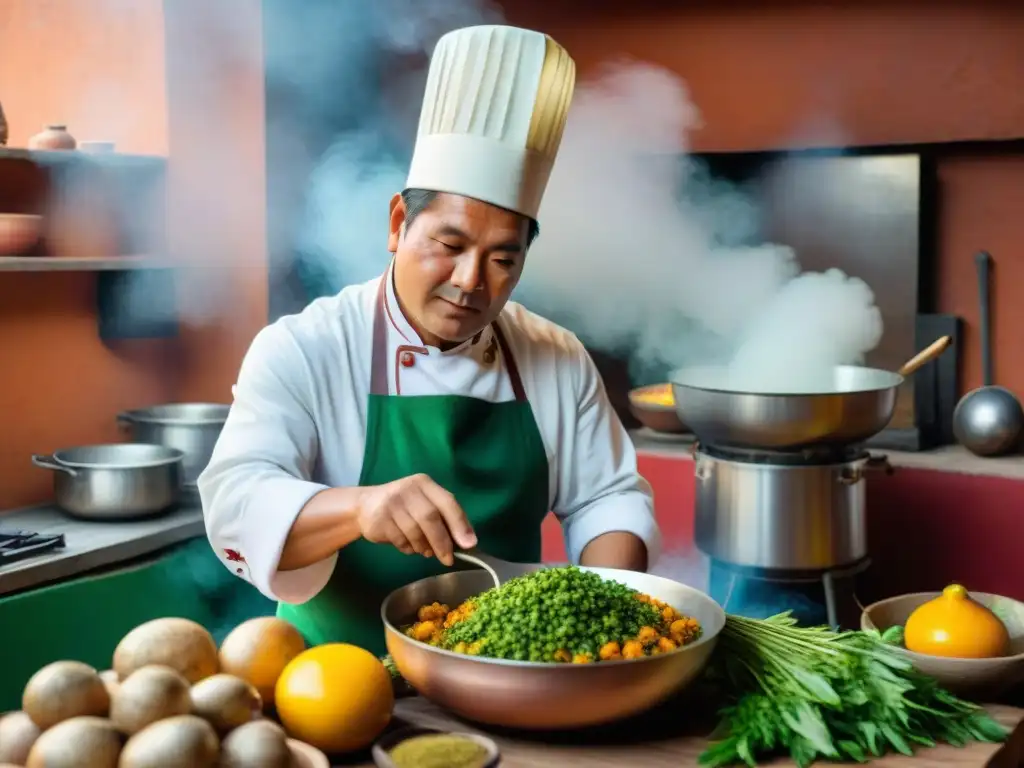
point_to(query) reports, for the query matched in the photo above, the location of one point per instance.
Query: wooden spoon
(926, 355)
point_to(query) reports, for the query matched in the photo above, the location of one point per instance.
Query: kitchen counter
(661, 742)
(950, 458)
(90, 545)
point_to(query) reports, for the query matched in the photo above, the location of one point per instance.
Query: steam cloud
(639, 250)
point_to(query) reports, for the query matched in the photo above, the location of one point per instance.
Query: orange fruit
(258, 650)
(337, 697)
(955, 626)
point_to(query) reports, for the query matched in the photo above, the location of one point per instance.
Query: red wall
(926, 529)
(787, 73)
(156, 78)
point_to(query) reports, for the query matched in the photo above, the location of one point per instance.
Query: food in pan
(658, 394)
(561, 615)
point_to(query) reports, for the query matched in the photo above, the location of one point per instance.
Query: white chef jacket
(298, 426)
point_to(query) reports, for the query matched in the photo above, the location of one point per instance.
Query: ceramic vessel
(96, 147)
(53, 137)
(978, 679)
(19, 233)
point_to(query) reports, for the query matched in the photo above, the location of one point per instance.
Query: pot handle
(124, 421)
(875, 462)
(49, 462)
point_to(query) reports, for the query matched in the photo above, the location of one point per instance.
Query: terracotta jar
(53, 137)
(3, 127)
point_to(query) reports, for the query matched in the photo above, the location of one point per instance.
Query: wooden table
(661, 745)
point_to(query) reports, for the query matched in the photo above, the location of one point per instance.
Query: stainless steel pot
(121, 481)
(787, 517)
(537, 695)
(192, 428)
(858, 404)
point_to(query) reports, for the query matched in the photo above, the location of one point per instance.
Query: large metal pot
(192, 428)
(791, 517)
(537, 695)
(855, 405)
(121, 481)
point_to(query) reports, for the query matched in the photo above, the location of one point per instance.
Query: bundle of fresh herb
(816, 693)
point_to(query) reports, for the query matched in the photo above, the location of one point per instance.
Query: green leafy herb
(815, 693)
(391, 667)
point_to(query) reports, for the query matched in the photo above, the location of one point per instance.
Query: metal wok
(537, 695)
(855, 405)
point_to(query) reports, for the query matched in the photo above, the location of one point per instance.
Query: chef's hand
(415, 514)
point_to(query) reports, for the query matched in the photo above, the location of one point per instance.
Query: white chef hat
(493, 116)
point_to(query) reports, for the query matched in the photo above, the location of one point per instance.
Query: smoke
(641, 252)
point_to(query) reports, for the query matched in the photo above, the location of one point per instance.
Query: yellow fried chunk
(610, 651)
(632, 649)
(647, 635)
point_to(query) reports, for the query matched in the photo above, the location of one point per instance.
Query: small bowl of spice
(430, 748)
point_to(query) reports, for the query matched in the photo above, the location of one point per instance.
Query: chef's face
(455, 264)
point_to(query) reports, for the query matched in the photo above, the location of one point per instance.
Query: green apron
(489, 455)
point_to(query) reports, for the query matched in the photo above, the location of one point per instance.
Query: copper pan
(537, 695)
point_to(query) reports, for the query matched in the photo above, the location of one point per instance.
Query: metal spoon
(499, 570)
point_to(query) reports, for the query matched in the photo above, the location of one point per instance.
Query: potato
(62, 690)
(180, 644)
(149, 694)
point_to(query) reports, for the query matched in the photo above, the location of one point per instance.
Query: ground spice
(440, 750)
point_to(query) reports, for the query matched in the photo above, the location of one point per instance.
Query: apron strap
(379, 359)
(510, 364)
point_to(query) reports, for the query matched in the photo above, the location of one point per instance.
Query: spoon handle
(477, 558)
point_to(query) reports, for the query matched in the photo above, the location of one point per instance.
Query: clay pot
(3, 127)
(19, 232)
(53, 137)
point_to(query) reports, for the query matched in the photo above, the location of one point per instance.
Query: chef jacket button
(407, 359)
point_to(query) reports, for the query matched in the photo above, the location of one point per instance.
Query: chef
(381, 429)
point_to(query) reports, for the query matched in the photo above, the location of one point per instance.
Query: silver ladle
(499, 570)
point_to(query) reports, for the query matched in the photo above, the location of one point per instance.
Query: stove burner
(820, 455)
(813, 597)
(19, 545)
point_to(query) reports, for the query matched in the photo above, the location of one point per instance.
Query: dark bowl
(655, 416)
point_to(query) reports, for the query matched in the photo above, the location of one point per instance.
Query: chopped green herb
(815, 693)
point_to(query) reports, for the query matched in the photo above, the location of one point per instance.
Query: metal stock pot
(192, 428)
(120, 481)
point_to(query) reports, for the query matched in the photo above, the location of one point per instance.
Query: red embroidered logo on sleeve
(233, 556)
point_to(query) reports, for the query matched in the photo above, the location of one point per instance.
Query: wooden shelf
(114, 159)
(58, 264)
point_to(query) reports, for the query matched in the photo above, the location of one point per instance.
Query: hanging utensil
(989, 420)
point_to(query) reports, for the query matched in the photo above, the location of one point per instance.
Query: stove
(20, 545)
(785, 528)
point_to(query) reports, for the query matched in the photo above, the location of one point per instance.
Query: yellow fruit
(955, 626)
(258, 650)
(336, 697)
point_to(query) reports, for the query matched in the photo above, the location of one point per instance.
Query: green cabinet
(84, 618)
